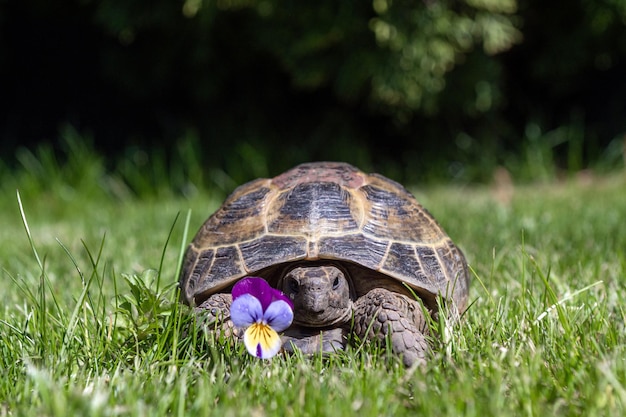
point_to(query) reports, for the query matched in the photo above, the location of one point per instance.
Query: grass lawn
(89, 323)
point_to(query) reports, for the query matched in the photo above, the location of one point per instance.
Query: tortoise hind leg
(381, 313)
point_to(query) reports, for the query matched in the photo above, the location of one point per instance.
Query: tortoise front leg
(381, 313)
(214, 315)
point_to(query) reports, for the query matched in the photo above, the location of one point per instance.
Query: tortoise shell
(324, 211)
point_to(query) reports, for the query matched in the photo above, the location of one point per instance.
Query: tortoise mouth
(332, 317)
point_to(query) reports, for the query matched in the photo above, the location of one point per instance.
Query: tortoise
(351, 250)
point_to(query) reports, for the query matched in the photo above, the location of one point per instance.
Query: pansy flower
(263, 311)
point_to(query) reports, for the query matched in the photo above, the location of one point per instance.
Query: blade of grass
(566, 299)
(80, 303)
(183, 242)
(167, 240)
(28, 234)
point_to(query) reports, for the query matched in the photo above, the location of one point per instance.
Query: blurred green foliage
(415, 89)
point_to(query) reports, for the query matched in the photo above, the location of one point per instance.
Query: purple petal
(257, 287)
(279, 315)
(245, 310)
(243, 286)
(278, 295)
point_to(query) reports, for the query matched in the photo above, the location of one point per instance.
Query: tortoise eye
(336, 283)
(294, 287)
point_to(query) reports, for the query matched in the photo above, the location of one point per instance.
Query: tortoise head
(320, 295)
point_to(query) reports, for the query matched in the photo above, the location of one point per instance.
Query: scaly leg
(214, 315)
(381, 313)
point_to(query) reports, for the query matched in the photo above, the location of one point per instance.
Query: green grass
(89, 323)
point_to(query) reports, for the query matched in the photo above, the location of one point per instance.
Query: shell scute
(269, 250)
(312, 209)
(336, 172)
(430, 264)
(401, 261)
(395, 216)
(359, 248)
(227, 260)
(240, 218)
(195, 271)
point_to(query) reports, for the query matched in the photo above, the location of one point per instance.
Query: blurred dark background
(447, 90)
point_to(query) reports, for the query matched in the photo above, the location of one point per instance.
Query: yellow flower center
(261, 340)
